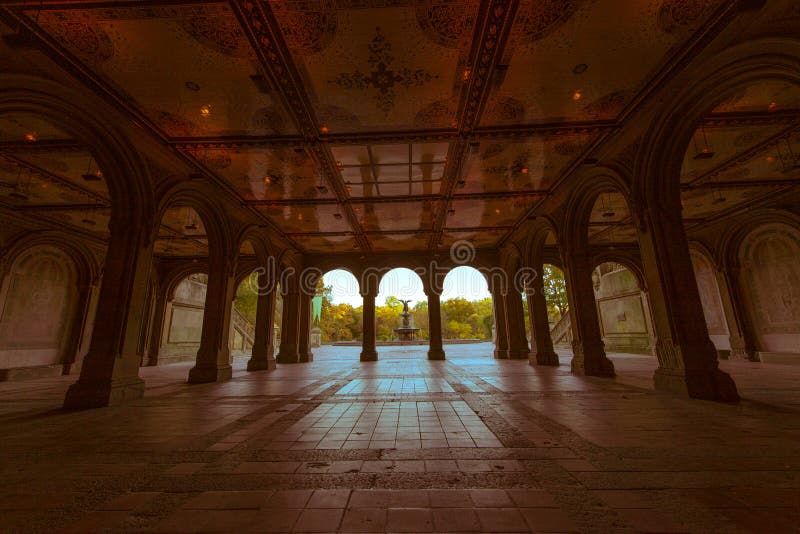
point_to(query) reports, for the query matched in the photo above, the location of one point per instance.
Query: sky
(404, 284)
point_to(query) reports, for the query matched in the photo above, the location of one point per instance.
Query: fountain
(406, 332)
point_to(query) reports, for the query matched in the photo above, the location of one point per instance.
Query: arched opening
(554, 287)
(622, 308)
(770, 262)
(467, 307)
(183, 325)
(337, 310)
(401, 313)
(48, 292)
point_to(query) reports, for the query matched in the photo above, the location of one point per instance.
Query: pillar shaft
(287, 352)
(500, 325)
(435, 348)
(686, 356)
(743, 346)
(369, 352)
(110, 370)
(262, 357)
(78, 327)
(304, 353)
(588, 352)
(156, 328)
(542, 352)
(214, 355)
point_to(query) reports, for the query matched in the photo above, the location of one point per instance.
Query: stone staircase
(561, 333)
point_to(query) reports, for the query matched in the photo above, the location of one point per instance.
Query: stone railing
(561, 333)
(243, 326)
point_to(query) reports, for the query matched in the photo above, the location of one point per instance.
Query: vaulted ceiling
(398, 125)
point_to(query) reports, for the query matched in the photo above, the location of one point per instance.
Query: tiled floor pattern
(381, 425)
(403, 445)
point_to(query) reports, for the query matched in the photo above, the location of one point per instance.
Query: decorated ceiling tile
(373, 66)
(769, 96)
(200, 84)
(266, 173)
(16, 127)
(326, 243)
(480, 213)
(74, 170)
(182, 221)
(399, 242)
(579, 60)
(307, 218)
(707, 202)
(531, 164)
(396, 216)
(710, 148)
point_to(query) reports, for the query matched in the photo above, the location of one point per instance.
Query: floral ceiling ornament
(383, 77)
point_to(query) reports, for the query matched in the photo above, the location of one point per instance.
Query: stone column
(435, 348)
(262, 358)
(743, 345)
(515, 316)
(648, 321)
(542, 352)
(304, 353)
(588, 352)
(214, 355)
(500, 323)
(369, 352)
(287, 353)
(157, 327)
(686, 356)
(110, 370)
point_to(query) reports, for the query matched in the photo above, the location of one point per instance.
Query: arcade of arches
(176, 177)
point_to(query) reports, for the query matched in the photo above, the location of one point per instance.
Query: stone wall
(705, 274)
(621, 310)
(183, 325)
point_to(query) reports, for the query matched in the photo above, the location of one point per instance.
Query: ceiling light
(205, 111)
(580, 68)
(191, 226)
(772, 106)
(497, 210)
(95, 176)
(577, 95)
(267, 179)
(608, 214)
(337, 216)
(322, 190)
(466, 74)
(261, 83)
(451, 211)
(324, 129)
(192, 86)
(524, 170)
(770, 159)
(88, 221)
(339, 165)
(31, 137)
(461, 184)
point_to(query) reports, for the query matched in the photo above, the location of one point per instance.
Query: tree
(555, 291)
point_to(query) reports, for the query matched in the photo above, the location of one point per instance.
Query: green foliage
(246, 301)
(555, 291)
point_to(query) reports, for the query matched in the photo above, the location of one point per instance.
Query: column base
(707, 384)
(204, 375)
(500, 354)
(288, 354)
(516, 354)
(591, 360)
(262, 365)
(369, 356)
(436, 354)
(305, 358)
(544, 358)
(82, 396)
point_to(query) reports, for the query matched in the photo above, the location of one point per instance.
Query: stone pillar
(110, 370)
(287, 352)
(588, 352)
(500, 323)
(157, 327)
(435, 348)
(214, 355)
(743, 346)
(369, 352)
(542, 352)
(262, 358)
(648, 321)
(304, 353)
(686, 356)
(515, 316)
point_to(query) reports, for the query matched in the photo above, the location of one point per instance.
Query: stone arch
(579, 207)
(626, 260)
(125, 172)
(658, 163)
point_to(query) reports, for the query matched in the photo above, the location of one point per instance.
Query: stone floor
(406, 445)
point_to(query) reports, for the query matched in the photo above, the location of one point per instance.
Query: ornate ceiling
(397, 125)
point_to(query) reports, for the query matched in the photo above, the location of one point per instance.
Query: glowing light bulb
(772, 106)
(205, 111)
(577, 95)
(31, 137)
(324, 129)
